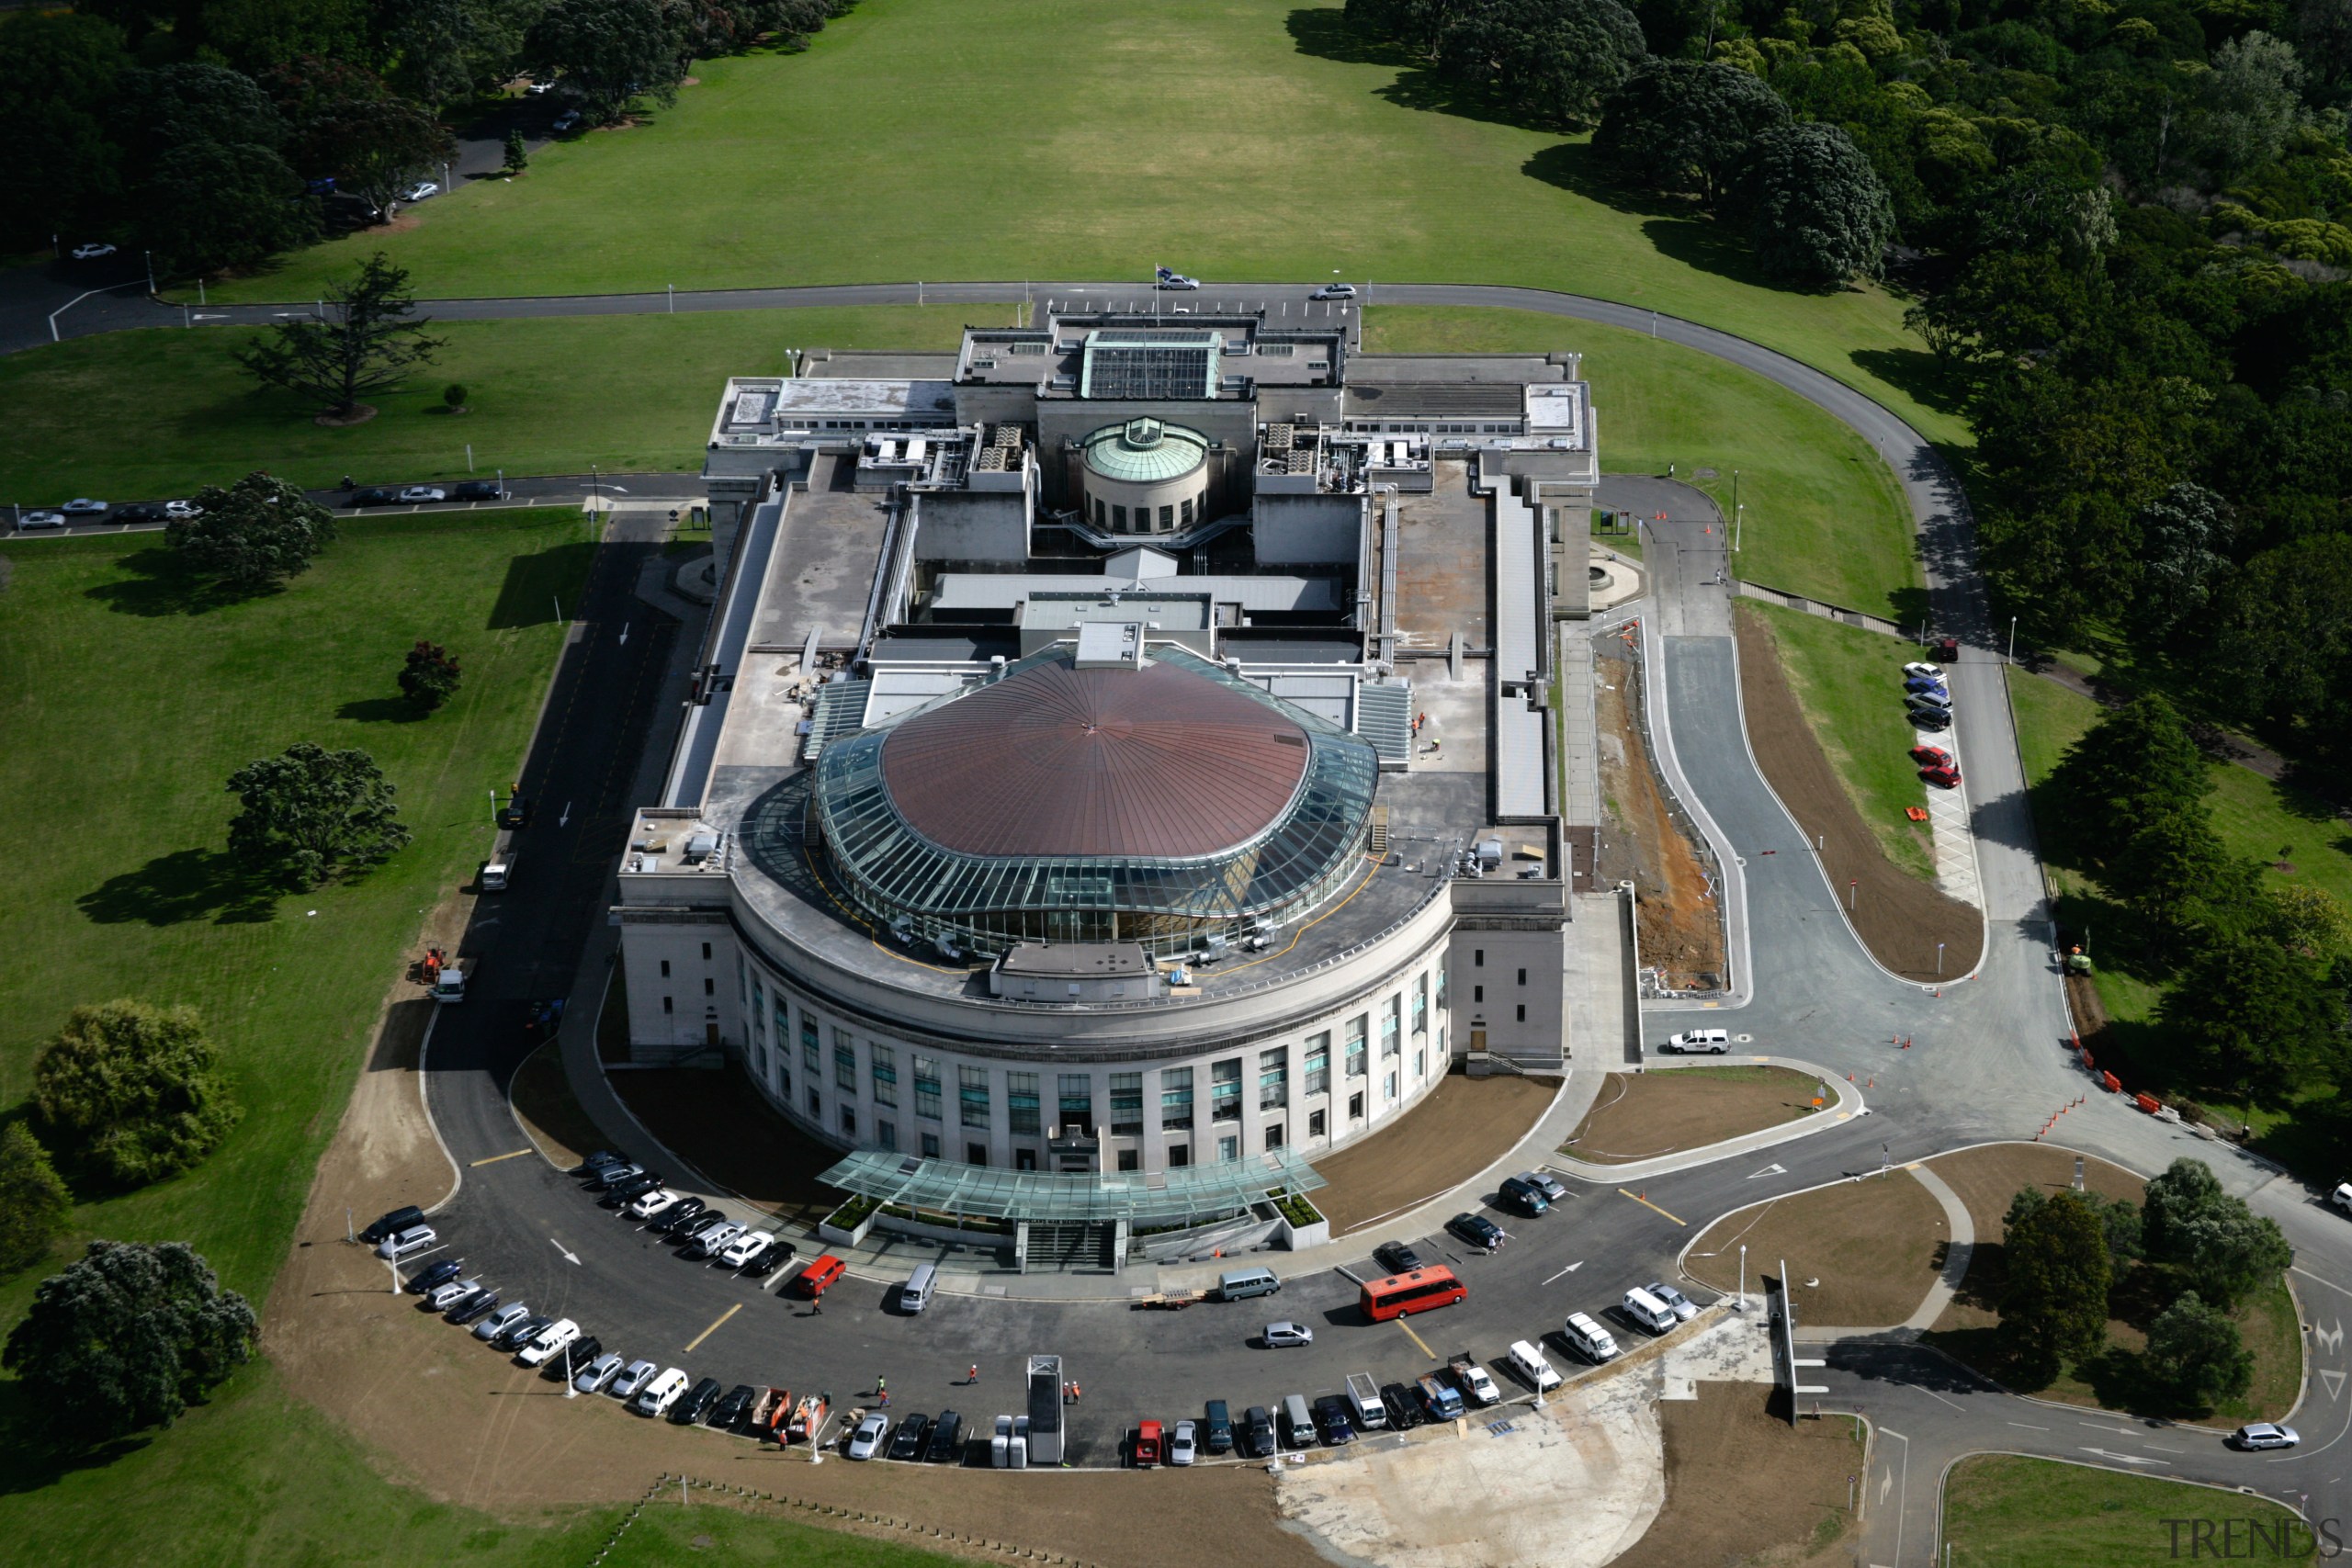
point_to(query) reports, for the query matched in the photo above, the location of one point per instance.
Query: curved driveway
(1988, 1062)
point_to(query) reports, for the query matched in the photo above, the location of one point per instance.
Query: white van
(1588, 1338)
(1649, 1312)
(1241, 1284)
(1300, 1420)
(1530, 1365)
(915, 1294)
(661, 1393)
(1700, 1042)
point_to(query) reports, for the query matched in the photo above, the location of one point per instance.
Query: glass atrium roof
(1141, 1198)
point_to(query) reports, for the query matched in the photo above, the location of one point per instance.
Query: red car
(1942, 774)
(1931, 757)
(1148, 1444)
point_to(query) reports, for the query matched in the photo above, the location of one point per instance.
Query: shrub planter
(1299, 1223)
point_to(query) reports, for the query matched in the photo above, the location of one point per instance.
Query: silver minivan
(1241, 1284)
(1301, 1422)
(915, 1294)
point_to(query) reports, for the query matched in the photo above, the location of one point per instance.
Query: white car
(407, 1243)
(1477, 1385)
(1335, 291)
(502, 1320)
(181, 510)
(593, 1377)
(2343, 1198)
(1700, 1042)
(1178, 280)
(446, 1296)
(93, 251)
(551, 1339)
(538, 89)
(1928, 671)
(83, 506)
(633, 1378)
(1589, 1340)
(1281, 1334)
(420, 190)
(736, 1253)
(1683, 1308)
(652, 1203)
(424, 493)
(1183, 1446)
(42, 519)
(661, 1393)
(867, 1438)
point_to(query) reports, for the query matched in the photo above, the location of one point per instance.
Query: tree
(252, 535)
(2136, 762)
(1419, 24)
(2178, 533)
(2182, 1190)
(2282, 631)
(2177, 876)
(310, 813)
(449, 49)
(375, 147)
(2195, 1354)
(453, 397)
(2231, 1250)
(429, 676)
(518, 156)
(1548, 61)
(135, 1088)
(172, 106)
(2055, 1307)
(59, 83)
(2254, 101)
(371, 338)
(213, 205)
(33, 1199)
(1818, 214)
(2254, 1018)
(1679, 125)
(609, 52)
(127, 1338)
(254, 34)
(2310, 923)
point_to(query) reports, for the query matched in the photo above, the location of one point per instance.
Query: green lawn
(1824, 517)
(627, 393)
(123, 709)
(1849, 683)
(1064, 138)
(2003, 1511)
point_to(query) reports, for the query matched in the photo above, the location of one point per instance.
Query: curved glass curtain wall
(1169, 906)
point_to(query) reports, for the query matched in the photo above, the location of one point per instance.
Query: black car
(770, 1257)
(375, 495)
(1258, 1440)
(433, 1276)
(697, 1403)
(710, 1219)
(516, 812)
(677, 1216)
(461, 1303)
(629, 1191)
(1522, 1196)
(1405, 1412)
(392, 1224)
(478, 489)
(728, 1412)
(473, 1309)
(1331, 1423)
(600, 1161)
(1217, 1430)
(523, 1333)
(945, 1447)
(1477, 1230)
(907, 1443)
(1397, 1257)
(140, 511)
(611, 1175)
(566, 1363)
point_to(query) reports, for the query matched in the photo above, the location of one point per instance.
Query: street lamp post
(2013, 640)
(1743, 1276)
(1940, 958)
(151, 270)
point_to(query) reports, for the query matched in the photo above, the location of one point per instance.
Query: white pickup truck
(449, 984)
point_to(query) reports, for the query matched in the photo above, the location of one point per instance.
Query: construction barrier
(2114, 1085)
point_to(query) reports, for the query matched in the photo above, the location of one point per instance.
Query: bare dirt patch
(1874, 1248)
(1744, 1487)
(1462, 1127)
(1645, 841)
(738, 1141)
(1900, 919)
(361, 414)
(543, 1102)
(1640, 1116)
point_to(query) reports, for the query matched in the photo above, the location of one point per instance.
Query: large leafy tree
(213, 205)
(2054, 1310)
(2229, 1251)
(2255, 1018)
(135, 1088)
(2136, 764)
(607, 53)
(1817, 213)
(2176, 1195)
(255, 34)
(33, 1199)
(2173, 872)
(370, 338)
(127, 1338)
(1419, 24)
(308, 812)
(1680, 125)
(429, 675)
(61, 173)
(252, 535)
(376, 146)
(198, 101)
(2282, 642)
(2194, 1354)
(2181, 535)
(448, 50)
(1547, 61)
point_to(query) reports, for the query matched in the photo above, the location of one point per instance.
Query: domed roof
(1058, 761)
(1145, 451)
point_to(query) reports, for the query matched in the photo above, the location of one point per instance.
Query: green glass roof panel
(1141, 1198)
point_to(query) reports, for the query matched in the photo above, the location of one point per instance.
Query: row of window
(1171, 517)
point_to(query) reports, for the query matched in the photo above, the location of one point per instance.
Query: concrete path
(1961, 1231)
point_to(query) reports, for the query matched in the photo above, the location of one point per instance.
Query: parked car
(565, 121)
(819, 1276)
(570, 1359)
(1681, 1307)
(523, 1333)
(907, 1442)
(1405, 1412)
(1699, 1041)
(408, 1243)
(1331, 1422)
(374, 495)
(97, 250)
(633, 1379)
(2263, 1435)
(479, 490)
(1279, 1335)
(1936, 671)
(1938, 698)
(600, 1159)
(1473, 1381)
(728, 1412)
(611, 1176)
(516, 812)
(1518, 1193)
(1176, 280)
(417, 493)
(1335, 291)
(627, 1192)
(678, 1216)
(1477, 1230)
(1931, 756)
(538, 89)
(1182, 1444)
(1258, 1437)
(181, 510)
(697, 1403)
(1930, 719)
(499, 1322)
(473, 1309)
(865, 1441)
(2342, 1197)
(599, 1374)
(1397, 1257)
(660, 1393)
(140, 511)
(1925, 683)
(649, 1204)
(1216, 1433)
(442, 1297)
(741, 1249)
(946, 1442)
(770, 1258)
(1552, 1186)
(433, 1276)
(711, 1241)
(708, 1220)
(555, 1337)
(40, 520)
(1589, 1340)
(421, 189)
(83, 506)
(1942, 776)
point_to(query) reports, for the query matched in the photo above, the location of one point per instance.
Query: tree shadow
(529, 595)
(1574, 166)
(36, 1461)
(1323, 32)
(187, 885)
(161, 585)
(1935, 382)
(382, 710)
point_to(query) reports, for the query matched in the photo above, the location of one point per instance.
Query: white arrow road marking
(1885, 1483)
(624, 633)
(1772, 1170)
(2125, 1458)
(568, 1256)
(1569, 1269)
(2334, 1382)
(565, 821)
(2331, 1339)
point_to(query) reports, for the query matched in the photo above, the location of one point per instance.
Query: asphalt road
(544, 490)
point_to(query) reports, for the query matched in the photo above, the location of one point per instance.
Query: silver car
(83, 506)
(1683, 1308)
(867, 1438)
(502, 1320)
(635, 1376)
(42, 519)
(598, 1372)
(424, 493)
(2263, 1435)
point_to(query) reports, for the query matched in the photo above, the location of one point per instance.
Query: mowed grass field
(1824, 517)
(2004, 1511)
(1238, 139)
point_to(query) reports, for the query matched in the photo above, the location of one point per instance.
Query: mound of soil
(1645, 842)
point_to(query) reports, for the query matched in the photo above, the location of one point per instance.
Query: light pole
(151, 270)
(571, 1389)
(1743, 1276)
(673, 297)
(1738, 524)
(2013, 640)
(1940, 958)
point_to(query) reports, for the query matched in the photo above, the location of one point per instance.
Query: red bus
(1423, 1290)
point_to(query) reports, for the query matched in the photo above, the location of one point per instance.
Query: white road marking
(2125, 1458)
(568, 1256)
(2029, 1425)
(2334, 1382)
(1569, 1269)
(1771, 1170)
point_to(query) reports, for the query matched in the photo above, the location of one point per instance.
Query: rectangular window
(1167, 518)
(1275, 1133)
(1178, 1155)
(844, 1061)
(1522, 1012)
(886, 1074)
(1477, 994)
(1477, 958)
(972, 1098)
(1318, 1063)
(1229, 1149)
(782, 1030)
(1224, 1090)
(1076, 1101)
(849, 1120)
(975, 1154)
(886, 1134)
(1355, 1106)
(930, 1145)
(668, 1004)
(665, 969)
(1388, 1088)
(1021, 1104)
(1392, 1013)
(1357, 1027)
(1441, 988)
(815, 1105)
(927, 1087)
(759, 1060)
(706, 953)
(1315, 1123)
(743, 981)
(1175, 1096)
(807, 1041)
(1421, 1005)
(1523, 976)
(1118, 517)
(782, 1081)
(1130, 1160)
(1126, 1102)
(709, 987)
(1273, 1078)
(759, 1014)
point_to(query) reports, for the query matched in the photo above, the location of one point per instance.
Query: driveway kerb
(1850, 1106)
